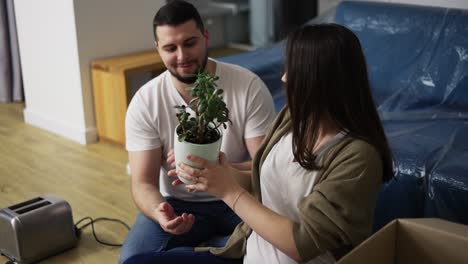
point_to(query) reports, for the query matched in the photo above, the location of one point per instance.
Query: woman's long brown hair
(327, 77)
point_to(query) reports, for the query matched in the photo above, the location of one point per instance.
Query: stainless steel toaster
(35, 229)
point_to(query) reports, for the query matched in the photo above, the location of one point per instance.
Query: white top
(151, 119)
(283, 183)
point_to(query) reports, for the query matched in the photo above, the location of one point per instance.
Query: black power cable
(9, 259)
(92, 221)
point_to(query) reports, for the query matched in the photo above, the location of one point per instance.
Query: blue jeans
(173, 256)
(214, 223)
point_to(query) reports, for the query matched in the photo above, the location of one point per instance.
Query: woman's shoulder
(352, 158)
(361, 146)
(355, 149)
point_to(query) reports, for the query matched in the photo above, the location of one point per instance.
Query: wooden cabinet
(111, 88)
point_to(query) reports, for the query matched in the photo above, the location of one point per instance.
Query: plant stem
(201, 129)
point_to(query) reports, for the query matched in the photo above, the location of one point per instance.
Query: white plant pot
(206, 151)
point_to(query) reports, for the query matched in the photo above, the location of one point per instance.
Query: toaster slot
(32, 207)
(23, 204)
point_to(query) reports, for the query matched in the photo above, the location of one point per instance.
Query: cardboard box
(424, 240)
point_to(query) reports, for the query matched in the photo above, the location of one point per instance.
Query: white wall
(58, 39)
(49, 58)
(108, 28)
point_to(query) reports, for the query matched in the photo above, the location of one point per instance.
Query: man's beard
(192, 77)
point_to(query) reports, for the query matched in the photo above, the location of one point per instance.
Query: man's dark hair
(326, 78)
(176, 12)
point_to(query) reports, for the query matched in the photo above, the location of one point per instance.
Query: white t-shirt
(151, 119)
(283, 183)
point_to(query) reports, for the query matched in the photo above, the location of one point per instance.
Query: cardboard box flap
(431, 241)
(414, 241)
(379, 248)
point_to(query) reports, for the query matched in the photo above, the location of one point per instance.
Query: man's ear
(206, 34)
(156, 45)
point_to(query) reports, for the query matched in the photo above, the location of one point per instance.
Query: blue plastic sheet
(431, 170)
(268, 64)
(418, 67)
(417, 56)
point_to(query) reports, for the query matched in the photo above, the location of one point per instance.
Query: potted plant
(199, 134)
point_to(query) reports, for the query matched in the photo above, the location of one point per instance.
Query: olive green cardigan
(339, 210)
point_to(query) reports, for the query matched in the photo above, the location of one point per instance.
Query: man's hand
(172, 223)
(171, 161)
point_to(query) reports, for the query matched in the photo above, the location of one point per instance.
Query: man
(170, 216)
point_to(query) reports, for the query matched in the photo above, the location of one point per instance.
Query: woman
(315, 179)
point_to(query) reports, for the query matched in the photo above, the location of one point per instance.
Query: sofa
(417, 60)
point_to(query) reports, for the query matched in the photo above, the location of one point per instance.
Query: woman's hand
(216, 179)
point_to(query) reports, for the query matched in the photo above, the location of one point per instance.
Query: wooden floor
(91, 178)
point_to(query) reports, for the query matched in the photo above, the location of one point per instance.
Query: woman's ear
(283, 78)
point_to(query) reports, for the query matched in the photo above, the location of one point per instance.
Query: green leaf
(211, 109)
(182, 137)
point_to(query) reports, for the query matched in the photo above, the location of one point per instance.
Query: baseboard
(81, 135)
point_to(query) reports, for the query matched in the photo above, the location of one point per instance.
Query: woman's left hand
(217, 179)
